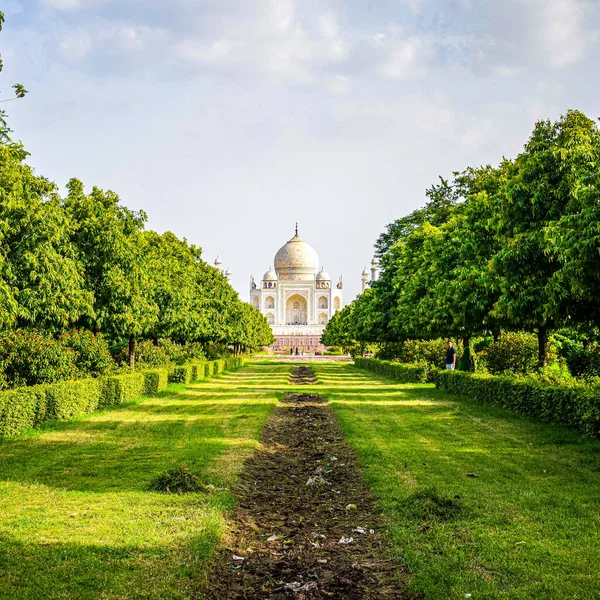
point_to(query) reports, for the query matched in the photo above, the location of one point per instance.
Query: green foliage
(30, 357)
(120, 389)
(181, 374)
(92, 356)
(67, 399)
(431, 352)
(24, 408)
(577, 406)
(515, 351)
(582, 362)
(411, 373)
(513, 246)
(155, 380)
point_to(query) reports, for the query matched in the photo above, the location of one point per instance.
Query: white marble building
(296, 297)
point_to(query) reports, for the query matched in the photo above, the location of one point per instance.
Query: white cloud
(217, 52)
(75, 45)
(327, 24)
(406, 60)
(564, 36)
(131, 38)
(281, 15)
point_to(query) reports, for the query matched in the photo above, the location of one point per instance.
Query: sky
(228, 121)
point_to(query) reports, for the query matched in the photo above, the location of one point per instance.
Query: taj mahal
(296, 297)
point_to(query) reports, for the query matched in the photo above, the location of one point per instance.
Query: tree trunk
(132, 350)
(542, 347)
(496, 335)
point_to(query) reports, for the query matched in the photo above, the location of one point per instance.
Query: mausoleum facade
(296, 297)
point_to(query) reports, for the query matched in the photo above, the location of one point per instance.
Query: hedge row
(575, 406)
(26, 407)
(405, 373)
(195, 371)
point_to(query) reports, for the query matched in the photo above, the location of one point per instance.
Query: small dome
(365, 273)
(323, 275)
(270, 275)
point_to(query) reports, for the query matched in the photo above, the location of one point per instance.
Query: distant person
(297, 353)
(291, 351)
(451, 357)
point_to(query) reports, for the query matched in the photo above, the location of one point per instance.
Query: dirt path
(307, 525)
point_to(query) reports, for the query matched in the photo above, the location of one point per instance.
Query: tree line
(508, 247)
(84, 260)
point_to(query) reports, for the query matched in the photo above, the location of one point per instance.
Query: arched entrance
(295, 310)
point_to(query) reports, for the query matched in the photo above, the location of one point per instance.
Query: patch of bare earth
(306, 524)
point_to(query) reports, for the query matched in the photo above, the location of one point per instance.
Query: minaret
(375, 268)
(218, 263)
(365, 279)
(228, 275)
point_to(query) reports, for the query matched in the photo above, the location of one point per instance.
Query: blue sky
(227, 121)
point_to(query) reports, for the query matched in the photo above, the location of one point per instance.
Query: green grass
(77, 517)
(527, 527)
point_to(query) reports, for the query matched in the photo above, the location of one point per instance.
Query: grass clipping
(179, 480)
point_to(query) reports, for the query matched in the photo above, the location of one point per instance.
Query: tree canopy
(515, 246)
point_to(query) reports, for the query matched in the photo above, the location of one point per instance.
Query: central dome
(296, 260)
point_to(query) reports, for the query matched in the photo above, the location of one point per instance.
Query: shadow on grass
(89, 571)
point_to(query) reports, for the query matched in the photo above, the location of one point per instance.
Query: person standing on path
(450, 356)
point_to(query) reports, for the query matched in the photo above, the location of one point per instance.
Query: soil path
(307, 525)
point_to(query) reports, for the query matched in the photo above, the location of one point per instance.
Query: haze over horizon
(230, 122)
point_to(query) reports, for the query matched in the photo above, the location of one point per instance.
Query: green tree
(110, 248)
(42, 283)
(541, 188)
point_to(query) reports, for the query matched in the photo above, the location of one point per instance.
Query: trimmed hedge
(155, 380)
(25, 407)
(405, 373)
(577, 406)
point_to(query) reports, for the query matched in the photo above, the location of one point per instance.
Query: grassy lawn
(77, 519)
(527, 526)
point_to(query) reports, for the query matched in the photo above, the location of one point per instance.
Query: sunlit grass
(527, 525)
(77, 519)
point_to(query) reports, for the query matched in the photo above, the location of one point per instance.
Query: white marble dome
(270, 275)
(323, 275)
(296, 260)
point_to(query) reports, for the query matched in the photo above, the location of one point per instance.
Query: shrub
(197, 371)
(155, 381)
(515, 351)
(21, 409)
(209, 369)
(30, 357)
(333, 351)
(119, 389)
(181, 374)
(431, 352)
(404, 373)
(67, 399)
(92, 357)
(582, 362)
(26, 407)
(575, 405)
